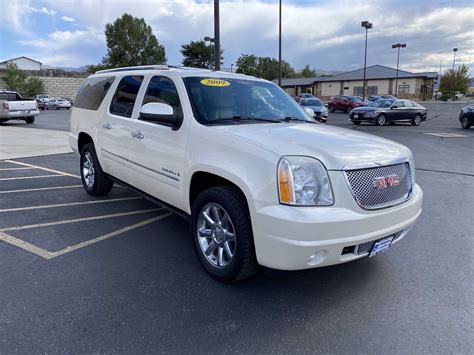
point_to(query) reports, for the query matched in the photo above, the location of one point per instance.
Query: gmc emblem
(382, 182)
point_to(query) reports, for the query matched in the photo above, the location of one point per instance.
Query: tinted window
(163, 90)
(125, 96)
(398, 104)
(92, 92)
(408, 104)
(8, 96)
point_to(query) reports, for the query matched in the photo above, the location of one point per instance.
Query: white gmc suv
(262, 182)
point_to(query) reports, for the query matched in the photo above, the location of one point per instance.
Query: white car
(57, 104)
(262, 182)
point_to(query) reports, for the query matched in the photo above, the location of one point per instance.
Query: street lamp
(279, 47)
(231, 66)
(398, 45)
(366, 25)
(454, 59)
(217, 37)
(210, 40)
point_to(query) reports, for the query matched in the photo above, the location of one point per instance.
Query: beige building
(380, 80)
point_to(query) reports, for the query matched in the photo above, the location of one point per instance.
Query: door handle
(137, 135)
(107, 126)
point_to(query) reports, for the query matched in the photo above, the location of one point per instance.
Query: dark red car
(345, 103)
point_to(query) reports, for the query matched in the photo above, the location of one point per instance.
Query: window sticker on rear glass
(215, 82)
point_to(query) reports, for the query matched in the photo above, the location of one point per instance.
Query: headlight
(303, 181)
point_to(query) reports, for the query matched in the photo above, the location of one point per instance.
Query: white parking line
(49, 255)
(42, 168)
(29, 177)
(67, 221)
(69, 204)
(10, 169)
(41, 189)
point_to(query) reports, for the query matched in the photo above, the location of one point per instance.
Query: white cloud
(43, 10)
(67, 19)
(65, 39)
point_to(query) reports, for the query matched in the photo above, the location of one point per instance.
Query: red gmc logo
(382, 182)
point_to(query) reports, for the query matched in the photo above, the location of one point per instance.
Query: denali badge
(382, 182)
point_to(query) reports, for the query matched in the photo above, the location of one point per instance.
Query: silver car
(320, 111)
(57, 104)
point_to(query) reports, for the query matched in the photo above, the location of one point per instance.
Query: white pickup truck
(14, 107)
(262, 182)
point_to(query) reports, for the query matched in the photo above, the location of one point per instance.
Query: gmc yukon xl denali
(262, 182)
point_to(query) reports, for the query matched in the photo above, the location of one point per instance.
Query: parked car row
(46, 103)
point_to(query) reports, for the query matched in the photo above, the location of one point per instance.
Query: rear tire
(417, 120)
(348, 109)
(232, 226)
(465, 123)
(331, 109)
(380, 120)
(94, 180)
(29, 120)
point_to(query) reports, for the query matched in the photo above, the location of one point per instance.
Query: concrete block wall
(61, 86)
(58, 86)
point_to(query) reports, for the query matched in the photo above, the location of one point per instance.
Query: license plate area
(381, 246)
(356, 116)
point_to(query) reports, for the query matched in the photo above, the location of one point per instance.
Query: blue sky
(324, 34)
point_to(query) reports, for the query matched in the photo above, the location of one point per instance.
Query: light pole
(398, 45)
(217, 37)
(366, 25)
(279, 47)
(231, 66)
(210, 40)
(454, 58)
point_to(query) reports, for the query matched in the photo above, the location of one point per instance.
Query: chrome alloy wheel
(216, 235)
(88, 172)
(417, 120)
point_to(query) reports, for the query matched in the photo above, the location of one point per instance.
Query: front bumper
(295, 238)
(361, 116)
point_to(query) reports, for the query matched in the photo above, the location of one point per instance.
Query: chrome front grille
(363, 185)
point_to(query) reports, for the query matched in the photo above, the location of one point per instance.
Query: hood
(364, 109)
(315, 108)
(335, 147)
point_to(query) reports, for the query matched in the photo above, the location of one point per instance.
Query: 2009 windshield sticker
(215, 82)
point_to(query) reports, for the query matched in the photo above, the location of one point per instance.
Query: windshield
(311, 102)
(381, 103)
(355, 99)
(216, 99)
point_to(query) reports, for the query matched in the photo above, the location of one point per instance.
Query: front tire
(94, 180)
(465, 123)
(356, 122)
(417, 120)
(348, 109)
(380, 120)
(222, 234)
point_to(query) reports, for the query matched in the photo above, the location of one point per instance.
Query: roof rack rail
(141, 67)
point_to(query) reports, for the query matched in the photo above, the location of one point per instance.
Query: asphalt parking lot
(118, 274)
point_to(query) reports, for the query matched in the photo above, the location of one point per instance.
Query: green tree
(247, 64)
(34, 86)
(130, 41)
(198, 54)
(306, 72)
(264, 67)
(455, 80)
(15, 78)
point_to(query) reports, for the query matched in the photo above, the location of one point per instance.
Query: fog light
(317, 257)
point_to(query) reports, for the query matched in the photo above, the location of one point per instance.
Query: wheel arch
(83, 139)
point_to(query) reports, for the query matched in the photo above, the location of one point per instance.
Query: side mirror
(160, 113)
(310, 111)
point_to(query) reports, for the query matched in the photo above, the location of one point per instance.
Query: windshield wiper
(243, 119)
(292, 119)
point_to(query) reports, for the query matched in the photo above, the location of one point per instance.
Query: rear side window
(161, 89)
(92, 92)
(8, 96)
(125, 96)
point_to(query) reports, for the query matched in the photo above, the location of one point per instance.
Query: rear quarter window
(92, 92)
